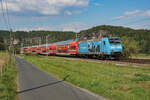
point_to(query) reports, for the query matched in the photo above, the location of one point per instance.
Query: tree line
(134, 41)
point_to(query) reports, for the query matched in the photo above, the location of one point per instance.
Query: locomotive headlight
(119, 47)
(113, 47)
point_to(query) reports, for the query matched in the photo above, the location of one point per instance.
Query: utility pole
(11, 48)
(7, 21)
(11, 44)
(5, 42)
(30, 41)
(40, 40)
(76, 35)
(21, 48)
(47, 44)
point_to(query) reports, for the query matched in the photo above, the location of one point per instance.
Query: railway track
(137, 61)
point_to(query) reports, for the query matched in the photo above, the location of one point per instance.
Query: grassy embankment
(141, 56)
(108, 80)
(8, 76)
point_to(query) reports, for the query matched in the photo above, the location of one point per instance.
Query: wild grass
(107, 80)
(4, 58)
(141, 56)
(8, 84)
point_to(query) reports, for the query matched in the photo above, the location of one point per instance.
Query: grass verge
(108, 80)
(8, 84)
(141, 56)
(4, 58)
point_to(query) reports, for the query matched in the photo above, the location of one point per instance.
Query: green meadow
(108, 80)
(8, 77)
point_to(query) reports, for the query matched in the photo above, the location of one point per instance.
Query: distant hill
(140, 39)
(114, 31)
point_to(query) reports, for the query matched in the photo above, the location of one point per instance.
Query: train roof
(65, 42)
(57, 43)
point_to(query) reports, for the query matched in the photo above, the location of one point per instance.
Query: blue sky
(76, 15)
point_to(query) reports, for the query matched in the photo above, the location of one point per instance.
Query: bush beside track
(8, 84)
(141, 56)
(108, 80)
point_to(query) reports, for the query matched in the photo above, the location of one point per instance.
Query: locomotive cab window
(114, 40)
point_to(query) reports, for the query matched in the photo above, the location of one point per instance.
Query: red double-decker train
(69, 47)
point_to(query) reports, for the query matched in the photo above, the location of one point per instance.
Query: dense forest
(134, 41)
(36, 37)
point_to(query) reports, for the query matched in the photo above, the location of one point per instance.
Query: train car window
(73, 47)
(68, 46)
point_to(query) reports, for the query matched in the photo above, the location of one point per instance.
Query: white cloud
(13, 8)
(118, 18)
(37, 28)
(130, 14)
(72, 26)
(77, 12)
(146, 13)
(45, 7)
(97, 4)
(67, 12)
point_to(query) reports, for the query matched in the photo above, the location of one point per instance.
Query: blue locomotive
(106, 48)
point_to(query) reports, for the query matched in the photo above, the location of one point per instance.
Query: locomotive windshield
(114, 40)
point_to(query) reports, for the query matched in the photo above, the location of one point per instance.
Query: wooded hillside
(135, 41)
(36, 37)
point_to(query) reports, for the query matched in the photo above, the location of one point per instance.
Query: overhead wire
(7, 13)
(4, 15)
